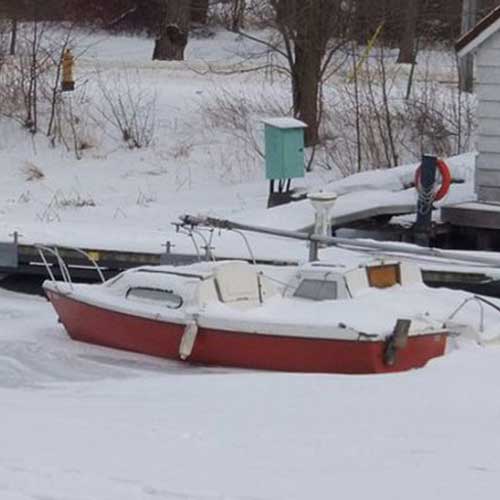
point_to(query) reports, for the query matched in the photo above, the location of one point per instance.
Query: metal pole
(423, 225)
(188, 220)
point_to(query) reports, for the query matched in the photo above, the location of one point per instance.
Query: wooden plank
(488, 57)
(488, 75)
(489, 194)
(488, 109)
(488, 92)
(488, 144)
(458, 215)
(493, 42)
(488, 161)
(489, 126)
(488, 178)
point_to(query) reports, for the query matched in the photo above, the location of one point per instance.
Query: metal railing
(481, 302)
(193, 230)
(63, 267)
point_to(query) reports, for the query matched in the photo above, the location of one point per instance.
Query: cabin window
(155, 295)
(316, 290)
(384, 276)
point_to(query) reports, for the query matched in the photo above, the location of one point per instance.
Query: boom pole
(353, 244)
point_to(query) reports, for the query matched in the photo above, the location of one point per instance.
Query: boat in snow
(312, 318)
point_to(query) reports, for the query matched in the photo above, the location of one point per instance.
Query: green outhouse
(284, 139)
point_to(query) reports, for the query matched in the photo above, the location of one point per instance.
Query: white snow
(284, 122)
(82, 422)
(368, 192)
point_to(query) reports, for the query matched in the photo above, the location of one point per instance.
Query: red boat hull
(100, 326)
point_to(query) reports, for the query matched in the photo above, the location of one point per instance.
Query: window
(316, 290)
(384, 276)
(155, 295)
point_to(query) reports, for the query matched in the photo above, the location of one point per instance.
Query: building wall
(488, 163)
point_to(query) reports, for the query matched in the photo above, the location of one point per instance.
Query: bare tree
(237, 14)
(199, 11)
(310, 33)
(173, 31)
(128, 108)
(13, 37)
(407, 47)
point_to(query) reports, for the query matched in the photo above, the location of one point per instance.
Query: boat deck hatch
(384, 276)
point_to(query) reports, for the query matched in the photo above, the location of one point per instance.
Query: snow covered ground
(49, 196)
(81, 422)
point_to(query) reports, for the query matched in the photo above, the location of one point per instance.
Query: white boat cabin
(242, 285)
(317, 300)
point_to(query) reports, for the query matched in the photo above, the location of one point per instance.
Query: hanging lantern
(68, 78)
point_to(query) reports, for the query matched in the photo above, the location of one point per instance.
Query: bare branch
(272, 47)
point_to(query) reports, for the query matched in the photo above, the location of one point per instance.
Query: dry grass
(32, 172)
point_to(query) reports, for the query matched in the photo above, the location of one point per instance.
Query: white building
(484, 42)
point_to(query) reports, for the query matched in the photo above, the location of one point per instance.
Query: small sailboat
(311, 318)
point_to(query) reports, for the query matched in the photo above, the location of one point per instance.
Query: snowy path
(152, 429)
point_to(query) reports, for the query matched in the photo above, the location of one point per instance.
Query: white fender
(188, 340)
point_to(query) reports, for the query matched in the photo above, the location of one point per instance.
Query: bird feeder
(284, 139)
(68, 65)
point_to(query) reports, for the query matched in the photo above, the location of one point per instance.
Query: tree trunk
(407, 45)
(199, 11)
(466, 64)
(306, 27)
(173, 33)
(306, 81)
(237, 15)
(305, 88)
(13, 37)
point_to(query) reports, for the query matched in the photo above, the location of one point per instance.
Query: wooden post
(424, 205)
(398, 340)
(466, 63)
(68, 79)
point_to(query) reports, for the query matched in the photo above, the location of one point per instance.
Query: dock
(22, 258)
(476, 222)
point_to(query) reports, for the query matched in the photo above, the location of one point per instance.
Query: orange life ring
(444, 170)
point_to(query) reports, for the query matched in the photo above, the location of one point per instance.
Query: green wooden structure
(284, 139)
